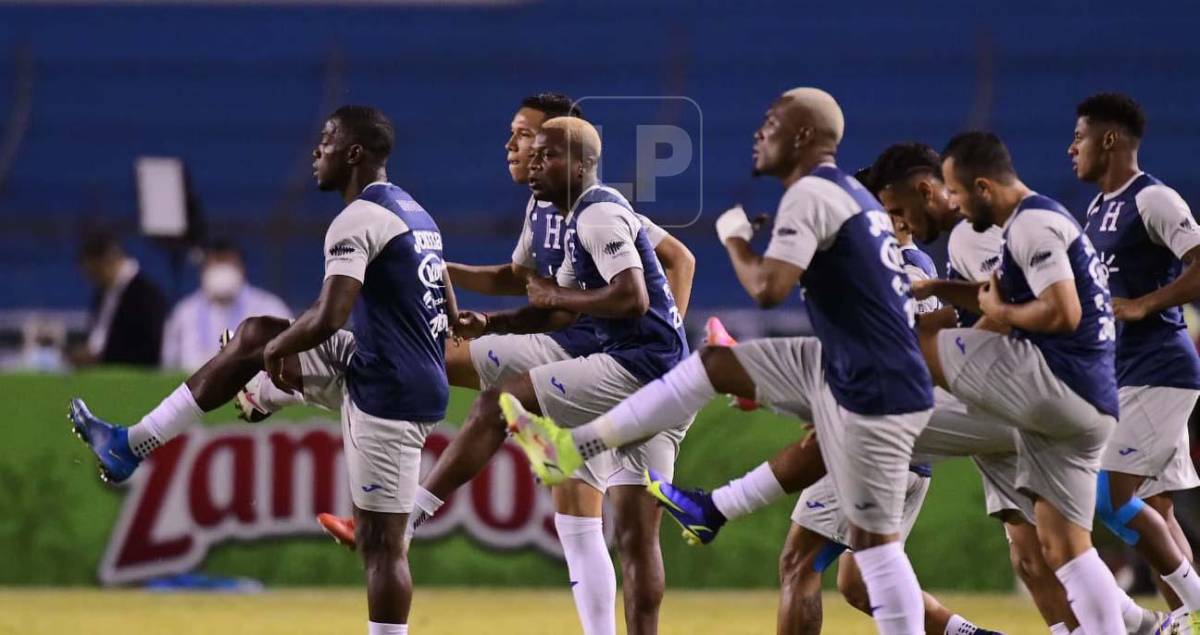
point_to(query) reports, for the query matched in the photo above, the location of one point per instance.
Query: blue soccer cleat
(109, 443)
(693, 509)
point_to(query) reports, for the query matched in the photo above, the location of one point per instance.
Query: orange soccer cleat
(716, 335)
(338, 528)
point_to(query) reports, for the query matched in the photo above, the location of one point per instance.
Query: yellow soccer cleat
(552, 454)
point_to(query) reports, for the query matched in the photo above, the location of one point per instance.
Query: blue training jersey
(1043, 244)
(604, 236)
(387, 241)
(857, 293)
(1141, 231)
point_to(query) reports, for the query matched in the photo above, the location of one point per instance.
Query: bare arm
(767, 280)
(1056, 310)
(1181, 290)
(961, 293)
(527, 319)
(680, 268)
(490, 279)
(318, 323)
(624, 296)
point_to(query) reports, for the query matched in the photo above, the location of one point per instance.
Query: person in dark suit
(127, 311)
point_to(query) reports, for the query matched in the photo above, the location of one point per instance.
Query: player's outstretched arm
(625, 296)
(317, 324)
(506, 279)
(1180, 291)
(1055, 310)
(527, 319)
(961, 293)
(679, 265)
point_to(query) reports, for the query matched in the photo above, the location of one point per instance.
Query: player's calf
(804, 558)
(384, 552)
(644, 578)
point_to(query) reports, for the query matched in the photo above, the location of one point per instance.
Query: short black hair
(902, 160)
(553, 105)
(97, 244)
(1114, 108)
(864, 176)
(980, 154)
(368, 127)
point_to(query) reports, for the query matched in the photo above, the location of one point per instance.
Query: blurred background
(155, 184)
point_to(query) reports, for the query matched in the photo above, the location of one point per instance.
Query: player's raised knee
(254, 332)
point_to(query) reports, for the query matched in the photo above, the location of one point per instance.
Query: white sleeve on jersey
(654, 233)
(974, 255)
(810, 214)
(565, 276)
(1168, 220)
(1038, 241)
(357, 236)
(523, 253)
(928, 304)
(607, 233)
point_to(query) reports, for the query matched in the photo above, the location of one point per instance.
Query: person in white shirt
(224, 299)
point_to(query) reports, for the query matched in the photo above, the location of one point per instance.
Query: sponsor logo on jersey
(988, 265)
(426, 241)
(341, 249)
(1039, 258)
(614, 247)
(430, 271)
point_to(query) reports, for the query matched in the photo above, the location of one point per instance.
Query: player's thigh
(383, 459)
(658, 453)
(496, 359)
(868, 458)
(1002, 498)
(1179, 474)
(956, 430)
(1152, 425)
(577, 390)
(1062, 472)
(785, 371)
(323, 370)
(819, 511)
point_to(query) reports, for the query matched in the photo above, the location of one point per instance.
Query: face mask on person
(221, 281)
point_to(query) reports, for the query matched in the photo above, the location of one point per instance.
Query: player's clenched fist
(542, 292)
(470, 325)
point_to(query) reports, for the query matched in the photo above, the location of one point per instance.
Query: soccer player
(862, 377)
(1041, 359)
(610, 273)
(494, 359)
(1149, 244)
(383, 268)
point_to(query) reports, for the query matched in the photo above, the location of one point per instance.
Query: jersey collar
(1121, 190)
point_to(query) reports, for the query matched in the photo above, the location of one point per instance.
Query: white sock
(380, 628)
(593, 579)
(1059, 629)
(273, 397)
(896, 601)
(1186, 584)
(1132, 614)
(1093, 593)
(960, 626)
(659, 405)
(741, 496)
(165, 422)
(425, 506)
